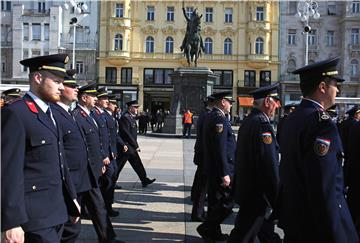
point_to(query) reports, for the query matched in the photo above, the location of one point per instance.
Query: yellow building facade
(140, 46)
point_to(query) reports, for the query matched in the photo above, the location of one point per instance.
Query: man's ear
(322, 87)
(37, 77)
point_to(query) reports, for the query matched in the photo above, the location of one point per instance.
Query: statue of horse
(192, 44)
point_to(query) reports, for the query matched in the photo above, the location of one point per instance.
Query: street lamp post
(79, 8)
(305, 10)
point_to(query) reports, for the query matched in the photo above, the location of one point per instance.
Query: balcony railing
(118, 53)
(355, 47)
(258, 57)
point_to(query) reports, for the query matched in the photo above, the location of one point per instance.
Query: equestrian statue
(192, 45)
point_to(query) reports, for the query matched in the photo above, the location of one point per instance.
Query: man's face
(227, 105)
(49, 86)
(89, 100)
(134, 109)
(112, 107)
(103, 102)
(357, 116)
(69, 93)
(331, 91)
(271, 105)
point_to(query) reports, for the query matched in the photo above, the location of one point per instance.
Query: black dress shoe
(115, 240)
(113, 213)
(221, 237)
(147, 181)
(117, 187)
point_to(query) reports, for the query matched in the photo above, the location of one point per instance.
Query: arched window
(208, 45)
(149, 44)
(259, 46)
(228, 46)
(169, 45)
(354, 68)
(291, 65)
(118, 42)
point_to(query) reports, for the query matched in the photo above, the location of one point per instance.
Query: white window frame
(119, 10)
(228, 15)
(260, 14)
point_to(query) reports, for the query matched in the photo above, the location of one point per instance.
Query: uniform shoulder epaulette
(263, 118)
(14, 100)
(323, 116)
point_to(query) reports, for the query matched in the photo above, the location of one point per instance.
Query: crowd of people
(310, 191)
(60, 163)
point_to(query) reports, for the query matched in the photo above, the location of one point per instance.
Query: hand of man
(225, 181)
(14, 235)
(125, 149)
(106, 161)
(76, 219)
(113, 155)
(103, 169)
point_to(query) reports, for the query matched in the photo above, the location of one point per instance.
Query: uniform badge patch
(32, 106)
(83, 113)
(321, 146)
(267, 138)
(219, 128)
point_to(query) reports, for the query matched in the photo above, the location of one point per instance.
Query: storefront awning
(245, 101)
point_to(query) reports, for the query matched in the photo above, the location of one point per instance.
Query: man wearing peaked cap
(257, 159)
(70, 79)
(128, 132)
(311, 164)
(218, 142)
(33, 169)
(11, 95)
(199, 187)
(89, 89)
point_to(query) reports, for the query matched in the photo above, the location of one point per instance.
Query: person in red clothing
(187, 123)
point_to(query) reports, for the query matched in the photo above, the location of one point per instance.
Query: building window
(25, 31)
(118, 42)
(330, 38)
(36, 32)
(226, 77)
(331, 8)
(291, 65)
(119, 10)
(355, 36)
(355, 7)
(25, 56)
(169, 45)
(265, 78)
(3, 69)
(189, 11)
(228, 15)
(312, 38)
(354, 68)
(249, 78)
(126, 75)
(291, 37)
(110, 75)
(35, 52)
(259, 46)
(228, 46)
(79, 67)
(157, 76)
(149, 44)
(41, 7)
(46, 31)
(150, 13)
(209, 15)
(292, 7)
(259, 13)
(208, 45)
(170, 14)
(5, 5)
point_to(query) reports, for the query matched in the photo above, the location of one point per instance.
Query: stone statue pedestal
(191, 86)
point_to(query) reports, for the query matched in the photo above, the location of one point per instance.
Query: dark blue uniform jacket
(36, 189)
(312, 202)
(128, 130)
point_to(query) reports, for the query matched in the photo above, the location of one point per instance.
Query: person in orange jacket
(187, 123)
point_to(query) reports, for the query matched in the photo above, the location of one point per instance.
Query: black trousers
(47, 235)
(94, 203)
(250, 222)
(187, 129)
(220, 206)
(107, 184)
(198, 193)
(134, 159)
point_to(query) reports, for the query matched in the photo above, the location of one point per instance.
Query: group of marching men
(58, 163)
(294, 178)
